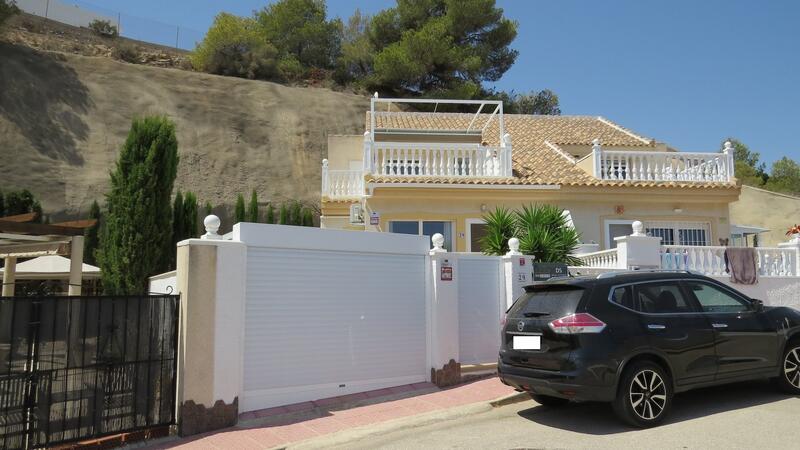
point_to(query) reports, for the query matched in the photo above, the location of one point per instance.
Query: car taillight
(576, 324)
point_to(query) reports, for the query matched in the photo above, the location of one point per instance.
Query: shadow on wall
(44, 97)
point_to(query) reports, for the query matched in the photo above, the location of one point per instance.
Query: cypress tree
(308, 218)
(190, 216)
(2, 204)
(270, 214)
(135, 238)
(283, 217)
(209, 208)
(297, 214)
(239, 212)
(252, 210)
(92, 241)
(177, 219)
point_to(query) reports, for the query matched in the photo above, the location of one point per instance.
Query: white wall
(773, 291)
(63, 12)
(164, 283)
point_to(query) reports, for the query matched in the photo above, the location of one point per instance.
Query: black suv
(636, 338)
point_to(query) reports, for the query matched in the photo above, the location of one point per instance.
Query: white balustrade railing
(606, 259)
(400, 159)
(342, 183)
(663, 166)
(772, 262)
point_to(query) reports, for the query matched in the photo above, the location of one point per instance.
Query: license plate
(527, 343)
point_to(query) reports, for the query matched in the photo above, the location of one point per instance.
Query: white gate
(481, 301)
(329, 313)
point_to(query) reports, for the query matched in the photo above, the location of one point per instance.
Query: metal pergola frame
(497, 111)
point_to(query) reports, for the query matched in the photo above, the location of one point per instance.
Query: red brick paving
(290, 430)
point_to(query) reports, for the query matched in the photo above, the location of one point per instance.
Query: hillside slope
(64, 117)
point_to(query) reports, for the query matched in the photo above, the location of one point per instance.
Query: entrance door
(617, 228)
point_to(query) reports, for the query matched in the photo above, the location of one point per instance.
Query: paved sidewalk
(282, 426)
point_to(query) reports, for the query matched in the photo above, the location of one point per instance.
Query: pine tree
(190, 216)
(283, 217)
(252, 210)
(239, 212)
(270, 214)
(135, 238)
(92, 236)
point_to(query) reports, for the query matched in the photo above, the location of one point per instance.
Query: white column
(729, 161)
(443, 311)
(210, 278)
(367, 163)
(638, 251)
(9, 275)
(518, 272)
(597, 154)
(76, 266)
(325, 180)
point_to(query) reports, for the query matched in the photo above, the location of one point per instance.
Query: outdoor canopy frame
(496, 111)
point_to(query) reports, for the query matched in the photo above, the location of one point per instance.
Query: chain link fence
(80, 14)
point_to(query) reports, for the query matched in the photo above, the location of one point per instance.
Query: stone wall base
(196, 418)
(448, 375)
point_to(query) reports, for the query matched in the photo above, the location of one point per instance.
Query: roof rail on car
(626, 272)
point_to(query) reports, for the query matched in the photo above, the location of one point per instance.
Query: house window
(476, 230)
(425, 228)
(670, 232)
(680, 233)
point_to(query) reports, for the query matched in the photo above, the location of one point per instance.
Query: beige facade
(771, 210)
(420, 169)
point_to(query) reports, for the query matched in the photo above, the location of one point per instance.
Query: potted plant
(794, 233)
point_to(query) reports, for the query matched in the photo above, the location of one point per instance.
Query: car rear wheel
(789, 380)
(644, 397)
(547, 400)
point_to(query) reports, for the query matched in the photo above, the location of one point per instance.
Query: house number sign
(447, 273)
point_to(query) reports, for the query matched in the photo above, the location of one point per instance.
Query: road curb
(419, 420)
(510, 399)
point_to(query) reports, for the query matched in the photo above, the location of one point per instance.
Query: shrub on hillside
(8, 8)
(234, 47)
(104, 28)
(126, 52)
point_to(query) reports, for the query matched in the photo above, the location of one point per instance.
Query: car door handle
(655, 326)
(719, 325)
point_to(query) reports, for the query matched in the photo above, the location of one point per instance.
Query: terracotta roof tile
(534, 161)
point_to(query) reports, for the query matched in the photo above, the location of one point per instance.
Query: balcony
(662, 166)
(451, 160)
(342, 184)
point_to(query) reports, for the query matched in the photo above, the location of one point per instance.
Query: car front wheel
(789, 380)
(644, 397)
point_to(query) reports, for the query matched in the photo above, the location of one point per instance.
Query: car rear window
(552, 302)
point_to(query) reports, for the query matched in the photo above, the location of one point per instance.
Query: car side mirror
(757, 305)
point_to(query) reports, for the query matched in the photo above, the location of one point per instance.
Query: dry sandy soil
(63, 118)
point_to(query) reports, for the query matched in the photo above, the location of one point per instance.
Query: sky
(686, 72)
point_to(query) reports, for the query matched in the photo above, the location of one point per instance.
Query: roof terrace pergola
(20, 237)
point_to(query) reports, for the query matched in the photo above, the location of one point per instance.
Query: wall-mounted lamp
(483, 207)
(677, 210)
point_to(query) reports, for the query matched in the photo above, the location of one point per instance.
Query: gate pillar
(210, 278)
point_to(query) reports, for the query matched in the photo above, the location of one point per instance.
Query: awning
(51, 267)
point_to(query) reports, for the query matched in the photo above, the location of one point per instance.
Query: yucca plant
(542, 231)
(500, 227)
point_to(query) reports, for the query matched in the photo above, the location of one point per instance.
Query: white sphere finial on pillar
(513, 247)
(638, 228)
(728, 145)
(212, 223)
(438, 243)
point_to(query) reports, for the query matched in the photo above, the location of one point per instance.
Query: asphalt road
(747, 415)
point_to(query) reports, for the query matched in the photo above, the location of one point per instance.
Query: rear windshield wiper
(536, 314)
